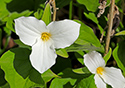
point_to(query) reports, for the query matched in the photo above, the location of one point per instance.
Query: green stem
(70, 9)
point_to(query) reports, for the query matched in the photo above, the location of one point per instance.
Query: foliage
(69, 71)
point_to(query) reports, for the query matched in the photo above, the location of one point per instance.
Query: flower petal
(64, 33)
(99, 82)
(43, 55)
(113, 77)
(93, 60)
(28, 29)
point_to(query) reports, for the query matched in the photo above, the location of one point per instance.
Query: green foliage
(12, 77)
(108, 55)
(91, 5)
(47, 14)
(120, 33)
(69, 71)
(119, 55)
(87, 83)
(62, 52)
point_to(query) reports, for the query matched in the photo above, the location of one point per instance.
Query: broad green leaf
(21, 61)
(87, 34)
(120, 33)
(61, 82)
(91, 5)
(92, 17)
(62, 52)
(87, 83)
(2, 79)
(108, 55)
(12, 77)
(3, 10)
(48, 75)
(22, 45)
(47, 14)
(23, 65)
(20, 5)
(86, 47)
(119, 54)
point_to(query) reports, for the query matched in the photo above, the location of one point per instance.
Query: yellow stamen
(45, 36)
(99, 70)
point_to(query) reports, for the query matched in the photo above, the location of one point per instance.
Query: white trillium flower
(110, 75)
(44, 39)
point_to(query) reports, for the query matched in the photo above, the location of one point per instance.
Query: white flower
(110, 75)
(44, 39)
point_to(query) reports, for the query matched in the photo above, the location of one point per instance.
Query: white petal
(93, 60)
(28, 29)
(64, 33)
(99, 82)
(113, 77)
(43, 55)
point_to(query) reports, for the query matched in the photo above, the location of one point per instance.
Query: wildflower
(44, 39)
(110, 75)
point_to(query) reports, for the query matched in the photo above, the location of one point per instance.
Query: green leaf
(61, 82)
(91, 5)
(38, 14)
(79, 56)
(12, 77)
(120, 33)
(119, 54)
(21, 61)
(86, 47)
(62, 52)
(9, 24)
(87, 83)
(48, 75)
(23, 65)
(87, 34)
(47, 14)
(92, 17)
(3, 10)
(108, 55)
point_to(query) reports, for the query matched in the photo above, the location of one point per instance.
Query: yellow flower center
(99, 70)
(45, 36)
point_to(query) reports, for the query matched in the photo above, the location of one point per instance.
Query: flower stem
(54, 8)
(109, 26)
(70, 9)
